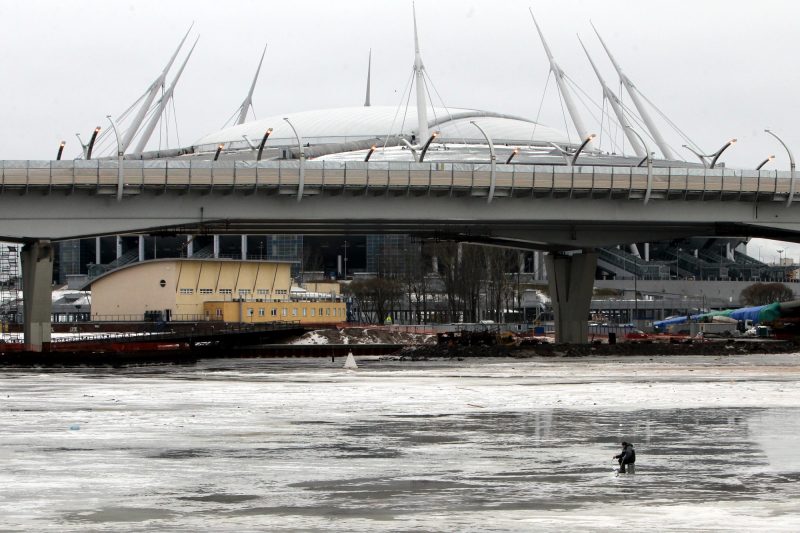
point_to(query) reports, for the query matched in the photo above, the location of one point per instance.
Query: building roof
(347, 124)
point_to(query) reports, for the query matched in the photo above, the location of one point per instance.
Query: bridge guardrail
(473, 179)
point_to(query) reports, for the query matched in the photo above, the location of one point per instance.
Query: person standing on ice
(627, 457)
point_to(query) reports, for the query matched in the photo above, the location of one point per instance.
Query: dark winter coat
(628, 455)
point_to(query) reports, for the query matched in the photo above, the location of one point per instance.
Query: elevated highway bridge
(566, 210)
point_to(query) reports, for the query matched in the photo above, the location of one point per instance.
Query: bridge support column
(571, 279)
(244, 247)
(141, 248)
(216, 246)
(119, 247)
(37, 286)
(189, 246)
(97, 251)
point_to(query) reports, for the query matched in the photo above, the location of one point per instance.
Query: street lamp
(263, 142)
(220, 146)
(791, 168)
(698, 154)
(427, 145)
(492, 160)
(370, 152)
(649, 159)
(514, 152)
(764, 162)
(586, 141)
(719, 152)
(780, 256)
(302, 160)
(714, 157)
(120, 157)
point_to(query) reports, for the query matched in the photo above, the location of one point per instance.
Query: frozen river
(256, 445)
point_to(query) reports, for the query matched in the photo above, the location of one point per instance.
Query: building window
(334, 311)
(305, 311)
(273, 312)
(284, 312)
(320, 311)
(262, 291)
(312, 311)
(206, 291)
(294, 311)
(328, 311)
(219, 312)
(226, 291)
(187, 291)
(249, 311)
(244, 292)
(260, 311)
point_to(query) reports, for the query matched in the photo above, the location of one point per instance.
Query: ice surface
(233, 445)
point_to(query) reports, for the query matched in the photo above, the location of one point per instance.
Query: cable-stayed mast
(151, 95)
(562, 86)
(369, 72)
(633, 92)
(248, 101)
(616, 105)
(419, 71)
(162, 104)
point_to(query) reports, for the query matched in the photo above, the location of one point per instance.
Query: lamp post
(91, 143)
(492, 160)
(514, 152)
(120, 157)
(263, 142)
(791, 168)
(719, 152)
(60, 150)
(714, 157)
(764, 162)
(586, 141)
(698, 154)
(302, 159)
(427, 145)
(649, 159)
(370, 152)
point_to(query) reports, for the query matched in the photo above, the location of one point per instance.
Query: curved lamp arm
(791, 168)
(301, 184)
(493, 161)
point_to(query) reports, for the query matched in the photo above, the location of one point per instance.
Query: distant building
(208, 289)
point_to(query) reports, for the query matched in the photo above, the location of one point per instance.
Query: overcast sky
(718, 69)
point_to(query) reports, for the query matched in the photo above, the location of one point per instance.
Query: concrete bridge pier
(571, 280)
(37, 281)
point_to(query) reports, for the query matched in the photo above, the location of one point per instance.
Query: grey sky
(718, 69)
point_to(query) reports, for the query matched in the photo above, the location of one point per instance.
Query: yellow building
(206, 289)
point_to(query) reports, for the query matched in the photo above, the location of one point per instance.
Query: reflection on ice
(304, 444)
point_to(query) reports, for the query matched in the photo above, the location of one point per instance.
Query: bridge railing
(463, 178)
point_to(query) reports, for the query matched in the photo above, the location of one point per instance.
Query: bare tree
(766, 293)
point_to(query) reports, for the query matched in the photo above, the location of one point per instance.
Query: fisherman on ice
(627, 459)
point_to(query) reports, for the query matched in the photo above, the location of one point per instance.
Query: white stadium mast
(562, 87)
(248, 101)
(162, 104)
(616, 105)
(422, 104)
(151, 94)
(633, 92)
